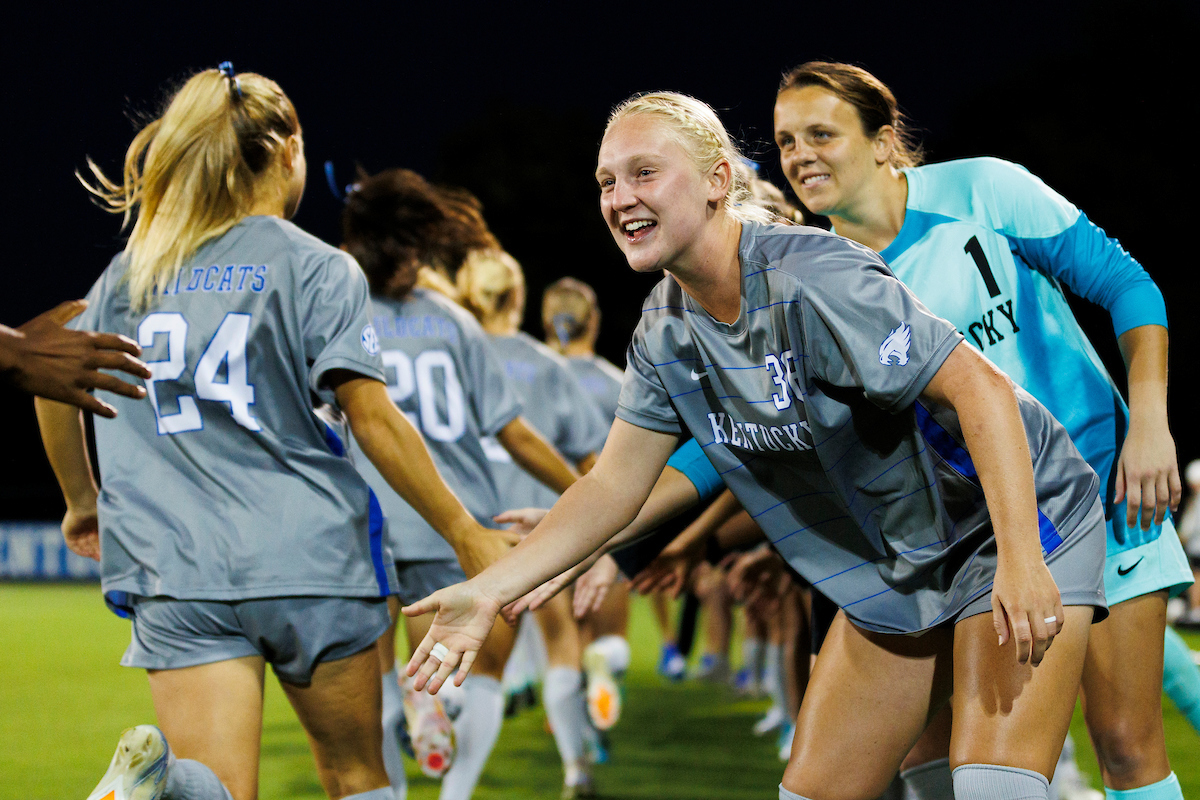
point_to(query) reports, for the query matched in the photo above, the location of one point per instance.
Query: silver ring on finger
(439, 651)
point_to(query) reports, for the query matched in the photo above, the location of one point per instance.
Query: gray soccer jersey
(442, 373)
(808, 407)
(602, 380)
(555, 405)
(221, 484)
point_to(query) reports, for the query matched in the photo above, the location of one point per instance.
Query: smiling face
(828, 159)
(653, 195)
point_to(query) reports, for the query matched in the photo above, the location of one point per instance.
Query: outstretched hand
(58, 363)
(462, 620)
(522, 520)
(593, 585)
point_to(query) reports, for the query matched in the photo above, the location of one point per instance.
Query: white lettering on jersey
(896, 344)
(759, 438)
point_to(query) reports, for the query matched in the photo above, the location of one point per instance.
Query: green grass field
(64, 700)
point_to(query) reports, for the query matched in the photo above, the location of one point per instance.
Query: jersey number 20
(416, 374)
(228, 347)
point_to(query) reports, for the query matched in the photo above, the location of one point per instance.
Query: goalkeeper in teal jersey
(988, 246)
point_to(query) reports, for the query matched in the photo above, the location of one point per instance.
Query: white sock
(475, 730)
(993, 782)
(562, 696)
(772, 676)
(616, 652)
(375, 794)
(393, 715)
(192, 780)
(752, 653)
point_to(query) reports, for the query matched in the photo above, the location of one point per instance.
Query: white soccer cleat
(770, 721)
(430, 729)
(603, 694)
(139, 767)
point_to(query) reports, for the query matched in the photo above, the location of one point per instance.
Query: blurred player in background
(229, 528)
(492, 285)
(988, 246)
(444, 375)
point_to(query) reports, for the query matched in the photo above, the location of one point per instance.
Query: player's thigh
(212, 713)
(869, 698)
(1122, 682)
(1012, 714)
(340, 709)
(561, 632)
(385, 647)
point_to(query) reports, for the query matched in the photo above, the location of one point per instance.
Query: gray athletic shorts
(293, 634)
(419, 579)
(1077, 566)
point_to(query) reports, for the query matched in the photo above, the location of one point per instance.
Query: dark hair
(397, 221)
(874, 101)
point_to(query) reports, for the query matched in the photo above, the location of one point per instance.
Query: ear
(719, 181)
(291, 152)
(884, 144)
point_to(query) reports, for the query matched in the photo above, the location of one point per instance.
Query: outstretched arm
(597, 506)
(1148, 468)
(46, 359)
(1024, 594)
(397, 450)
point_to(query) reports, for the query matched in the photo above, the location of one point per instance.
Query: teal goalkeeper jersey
(989, 247)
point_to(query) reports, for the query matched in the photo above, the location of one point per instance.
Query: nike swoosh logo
(1129, 569)
(697, 376)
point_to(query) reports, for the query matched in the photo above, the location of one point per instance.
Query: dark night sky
(509, 101)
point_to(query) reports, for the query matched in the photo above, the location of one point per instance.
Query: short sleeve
(864, 329)
(335, 311)
(691, 461)
(585, 430)
(496, 401)
(644, 401)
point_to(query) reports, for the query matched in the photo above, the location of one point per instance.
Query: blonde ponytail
(190, 175)
(490, 283)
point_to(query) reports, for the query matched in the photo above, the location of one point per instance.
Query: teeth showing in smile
(634, 227)
(814, 179)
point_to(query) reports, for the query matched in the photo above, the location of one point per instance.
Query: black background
(509, 101)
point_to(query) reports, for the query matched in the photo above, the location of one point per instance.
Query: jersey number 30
(228, 347)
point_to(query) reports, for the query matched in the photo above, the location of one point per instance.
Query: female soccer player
(492, 286)
(895, 469)
(444, 374)
(986, 245)
(228, 527)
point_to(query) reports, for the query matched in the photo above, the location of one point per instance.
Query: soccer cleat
(745, 683)
(770, 721)
(430, 731)
(603, 695)
(712, 669)
(672, 664)
(138, 770)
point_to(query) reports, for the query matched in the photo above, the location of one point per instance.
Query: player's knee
(1128, 747)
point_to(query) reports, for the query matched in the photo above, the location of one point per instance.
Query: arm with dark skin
(46, 359)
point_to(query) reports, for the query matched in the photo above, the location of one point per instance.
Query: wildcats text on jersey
(221, 279)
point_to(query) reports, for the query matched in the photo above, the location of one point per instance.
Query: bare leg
(1122, 692)
(212, 713)
(340, 711)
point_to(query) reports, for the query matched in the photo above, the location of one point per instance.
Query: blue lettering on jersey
(226, 284)
(260, 278)
(194, 283)
(245, 270)
(370, 341)
(216, 279)
(210, 275)
(423, 327)
(521, 371)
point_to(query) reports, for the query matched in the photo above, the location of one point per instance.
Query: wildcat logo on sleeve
(896, 346)
(370, 341)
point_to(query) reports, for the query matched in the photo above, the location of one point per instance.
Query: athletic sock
(752, 657)
(992, 782)
(475, 730)
(772, 676)
(784, 794)
(375, 794)
(1181, 677)
(393, 718)
(1166, 789)
(616, 652)
(562, 696)
(191, 780)
(929, 781)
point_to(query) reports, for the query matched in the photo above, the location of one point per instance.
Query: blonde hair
(190, 175)
(569, 311)
(491, 282)
(699, 131)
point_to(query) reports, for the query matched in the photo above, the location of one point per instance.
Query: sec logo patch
(370, 341)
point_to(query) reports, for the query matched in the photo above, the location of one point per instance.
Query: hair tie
(565, 327)
(235, 86)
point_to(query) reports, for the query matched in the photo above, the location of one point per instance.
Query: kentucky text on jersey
(215, 278)
(760, 438)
